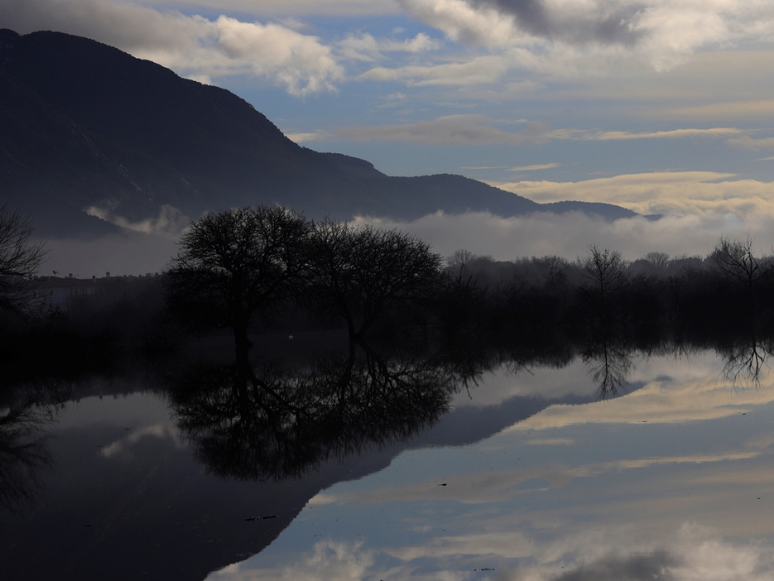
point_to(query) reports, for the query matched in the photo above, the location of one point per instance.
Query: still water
(521, 473)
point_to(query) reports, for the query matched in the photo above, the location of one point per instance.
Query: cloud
(464, 22)
(670, 134)
(306, 137)
(295, 7)
(123, 447)
(712, 197)
(730, 109)
(170, 220)
(573, 23)
(750, 143)
(504, 485)
(657, 32)
(510, 546)
(327, 560)
(694, 553)
(191, 45)
(476, 71)
(449, 130)
(481, 129)
(654, 404)
(536, 167)
(365, 47)
(656, 566)
(552, 442)
(568, 235)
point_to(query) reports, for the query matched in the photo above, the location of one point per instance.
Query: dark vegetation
(253, 272)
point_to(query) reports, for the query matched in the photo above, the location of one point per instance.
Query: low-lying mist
(567, 235)
(129, 253)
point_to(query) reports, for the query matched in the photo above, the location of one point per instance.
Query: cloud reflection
(327, 560)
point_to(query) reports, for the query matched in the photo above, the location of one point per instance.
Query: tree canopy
(359, 273)
(235, 264)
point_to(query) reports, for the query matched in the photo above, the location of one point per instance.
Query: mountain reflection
(277, 423)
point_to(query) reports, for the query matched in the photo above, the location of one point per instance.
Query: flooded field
(619, 465)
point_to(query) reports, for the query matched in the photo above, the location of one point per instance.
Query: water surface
(527, 473)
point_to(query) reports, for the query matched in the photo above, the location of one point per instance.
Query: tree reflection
(610, 364)
(746, 359)
(281, 423)
(24, 415)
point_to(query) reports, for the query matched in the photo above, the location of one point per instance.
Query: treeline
(732, 288)
(248, 271)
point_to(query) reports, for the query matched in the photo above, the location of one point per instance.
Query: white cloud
(449, 130)
(569, 234)
(123, 448)
(306, 137)
(191, 45)
(463, 22)
(690, 553)
(703, 194)
(670, 134)
(481, 129)
(170, 220)
(730, 109)
(365, 47)
(657, 32)
(535, 167)
(327, 560)
(476, 71)
(295, 7)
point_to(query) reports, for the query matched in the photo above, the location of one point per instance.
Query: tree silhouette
(358, 274)
(736, 260)
(235, 264)
(605, 277)
(278, 423)
(19, 260)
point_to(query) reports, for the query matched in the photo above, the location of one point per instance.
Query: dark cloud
(656, 566)
(601, 27)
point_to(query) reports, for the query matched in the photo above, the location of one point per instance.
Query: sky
(661, 106)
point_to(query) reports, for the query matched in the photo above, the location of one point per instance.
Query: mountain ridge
(85, 125)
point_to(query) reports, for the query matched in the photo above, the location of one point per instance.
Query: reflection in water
(746, 359)
(508, 481)
(610, 365)
(24, 416)
(282, 423)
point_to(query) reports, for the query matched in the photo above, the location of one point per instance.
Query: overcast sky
(661, 106)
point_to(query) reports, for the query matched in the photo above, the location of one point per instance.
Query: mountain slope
(83, 125)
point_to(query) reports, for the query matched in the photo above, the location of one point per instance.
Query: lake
(603, 465)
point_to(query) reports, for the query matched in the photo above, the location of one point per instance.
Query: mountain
(84, 125)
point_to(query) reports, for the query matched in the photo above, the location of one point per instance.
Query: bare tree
(605, 274)
(19, 259)
(658, 259)
(357, 274)
(737, 260)
(233, 265)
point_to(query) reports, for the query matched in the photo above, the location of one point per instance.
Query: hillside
(83, 124)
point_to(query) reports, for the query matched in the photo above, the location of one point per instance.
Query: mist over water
(482, 233)
(570, 234)
(132, 253)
